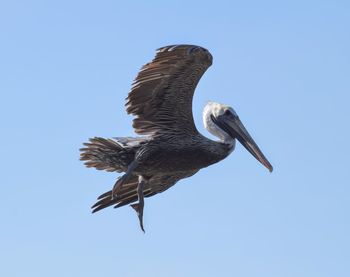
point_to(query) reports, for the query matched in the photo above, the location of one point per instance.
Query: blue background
(65, 69)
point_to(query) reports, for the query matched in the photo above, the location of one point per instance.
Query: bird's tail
(106, 154)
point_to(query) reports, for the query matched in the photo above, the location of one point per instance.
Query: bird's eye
(227, 112)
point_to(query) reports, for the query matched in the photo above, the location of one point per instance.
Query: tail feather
(106, 154)
(114, 155)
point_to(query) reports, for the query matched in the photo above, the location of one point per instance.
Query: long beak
(236, 129)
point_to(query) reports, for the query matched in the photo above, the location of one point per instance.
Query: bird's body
(171, 155)
(171, 148)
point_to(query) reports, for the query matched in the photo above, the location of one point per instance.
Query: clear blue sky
(65, 69)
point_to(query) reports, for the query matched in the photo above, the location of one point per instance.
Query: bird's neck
(219, 150)
(224, 138)
(228, 143)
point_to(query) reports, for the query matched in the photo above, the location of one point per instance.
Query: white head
(223, 122)
(216, 110)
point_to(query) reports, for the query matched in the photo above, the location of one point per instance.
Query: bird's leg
(119, 183)
(138, 207)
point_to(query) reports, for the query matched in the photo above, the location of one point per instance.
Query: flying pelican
(171, 148)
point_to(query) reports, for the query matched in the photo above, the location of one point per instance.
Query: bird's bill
(237, 130)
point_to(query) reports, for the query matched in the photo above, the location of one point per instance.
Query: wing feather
(128, 193)
(161, 95)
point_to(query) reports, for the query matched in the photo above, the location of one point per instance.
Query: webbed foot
(138, 207)
(139, 211)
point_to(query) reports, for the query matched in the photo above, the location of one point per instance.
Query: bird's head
(223, 122)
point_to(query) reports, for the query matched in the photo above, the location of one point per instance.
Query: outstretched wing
(161, 96)
(128, 192)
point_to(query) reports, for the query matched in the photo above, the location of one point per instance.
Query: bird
(169, 146)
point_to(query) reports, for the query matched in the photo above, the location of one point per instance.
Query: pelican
(170, 148)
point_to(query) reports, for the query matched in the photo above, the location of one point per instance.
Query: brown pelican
(171, 148)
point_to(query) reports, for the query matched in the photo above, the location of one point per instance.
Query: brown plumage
(171, 148)
(161, 96)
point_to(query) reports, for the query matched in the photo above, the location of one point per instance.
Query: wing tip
(190, 48)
